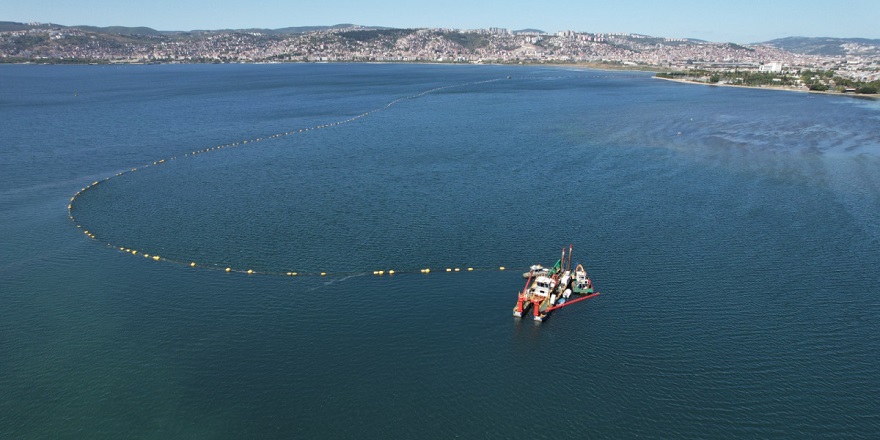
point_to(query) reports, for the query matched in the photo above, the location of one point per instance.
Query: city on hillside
(851, 65)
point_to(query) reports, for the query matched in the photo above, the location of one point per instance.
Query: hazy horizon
(748, 21)
(412, 27)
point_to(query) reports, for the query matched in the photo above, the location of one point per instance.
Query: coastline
(591, 66)
(782, 89)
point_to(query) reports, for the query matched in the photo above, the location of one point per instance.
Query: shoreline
(591, 66)
(780, 89)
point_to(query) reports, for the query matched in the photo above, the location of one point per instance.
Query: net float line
(250, 271)
(71, 207)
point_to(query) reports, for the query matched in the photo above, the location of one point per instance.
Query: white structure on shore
(771, 67)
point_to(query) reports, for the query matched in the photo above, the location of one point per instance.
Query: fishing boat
(549, 289)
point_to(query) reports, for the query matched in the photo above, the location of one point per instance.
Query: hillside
(827, 46)
(9, 26)
(52, 43)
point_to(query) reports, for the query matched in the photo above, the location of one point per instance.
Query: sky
(737, 21)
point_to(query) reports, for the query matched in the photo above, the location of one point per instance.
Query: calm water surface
(733, 232)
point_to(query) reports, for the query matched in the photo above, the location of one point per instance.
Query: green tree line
(817, 80)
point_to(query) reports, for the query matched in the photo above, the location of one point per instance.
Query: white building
(771, 67)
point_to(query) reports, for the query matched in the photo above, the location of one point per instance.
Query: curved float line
(229, 269)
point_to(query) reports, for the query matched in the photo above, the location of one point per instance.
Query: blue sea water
(733, 234)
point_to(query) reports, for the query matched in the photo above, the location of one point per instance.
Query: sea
(733, 234)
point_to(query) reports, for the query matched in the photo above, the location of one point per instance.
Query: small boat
(582, 285)
(549, 289)
(536, 270)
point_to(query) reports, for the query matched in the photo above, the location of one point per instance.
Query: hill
(9, 26)
(827, 46)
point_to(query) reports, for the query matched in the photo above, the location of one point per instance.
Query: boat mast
(570, 249)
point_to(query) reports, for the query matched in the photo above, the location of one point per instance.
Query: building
(771, 67)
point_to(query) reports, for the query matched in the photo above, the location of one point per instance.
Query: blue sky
(739, 21)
